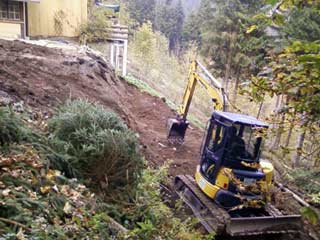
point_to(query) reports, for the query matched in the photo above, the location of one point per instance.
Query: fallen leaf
(67, 209)
(18, 188)
(20, 235)
(45, 189)
(55, 188)
(6, 192)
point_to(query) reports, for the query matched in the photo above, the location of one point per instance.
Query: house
(41, 18)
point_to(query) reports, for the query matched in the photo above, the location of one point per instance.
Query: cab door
(213, 149)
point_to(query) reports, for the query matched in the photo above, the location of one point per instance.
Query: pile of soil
(44, 77)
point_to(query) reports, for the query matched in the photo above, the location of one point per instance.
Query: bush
(100, 147)
(96, 29)
(302, 177)
(10, 127)
(149, 217)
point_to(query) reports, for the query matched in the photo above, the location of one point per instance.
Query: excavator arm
(198, 74)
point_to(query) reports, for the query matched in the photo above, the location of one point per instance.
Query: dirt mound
(44, 77)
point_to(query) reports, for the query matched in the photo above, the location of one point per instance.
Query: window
(10, 10)
(216, 138)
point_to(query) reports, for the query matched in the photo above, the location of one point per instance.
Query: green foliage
(310, 214)
(10, 127)
(100, 147)
(142, 10)
(296, 75)
(96, 29)
(149, 217)
(232, 52)
(47, 204)
(191, 32)
(305, 179)
(303, 24)
(169, 21)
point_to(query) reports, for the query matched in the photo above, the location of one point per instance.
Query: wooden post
(24, 21)
(117, 56)
(112, 55)
(125, 58)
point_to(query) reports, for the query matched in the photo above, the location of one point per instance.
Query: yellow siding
(10, 30)
(51, 18)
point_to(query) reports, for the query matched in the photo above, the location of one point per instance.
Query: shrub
(305, 180)
(96, 29)
(10, 127)
(149, 217)
(101, 148)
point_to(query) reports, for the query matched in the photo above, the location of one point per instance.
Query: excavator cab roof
(236, 118)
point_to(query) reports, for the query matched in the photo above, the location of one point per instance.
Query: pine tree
(169, 20)
(142, 10)
(232, 51)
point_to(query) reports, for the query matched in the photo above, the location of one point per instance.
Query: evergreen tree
(303, 24)
(169, 20)
(142, 10)
(232, 51)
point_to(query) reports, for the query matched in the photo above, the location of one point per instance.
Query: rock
(18, 107)
(5, 99)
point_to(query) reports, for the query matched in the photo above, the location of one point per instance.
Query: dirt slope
(44, 77)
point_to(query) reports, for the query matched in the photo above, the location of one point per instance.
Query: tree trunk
(296, 158)
(235, 90)
(260, 110)
(277, 139)
(300, 140)
(279, 126)
(317, 161)
(289, 133)
(227, 73)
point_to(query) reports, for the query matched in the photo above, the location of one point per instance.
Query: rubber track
(217, 217)
(213, 218)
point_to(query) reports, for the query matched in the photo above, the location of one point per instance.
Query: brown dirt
(44, 77)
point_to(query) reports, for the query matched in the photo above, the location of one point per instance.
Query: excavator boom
(198, 74)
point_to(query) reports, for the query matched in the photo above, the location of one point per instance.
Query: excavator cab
(232, 144)
(233, 140)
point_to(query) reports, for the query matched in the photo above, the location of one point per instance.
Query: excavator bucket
(176, 130)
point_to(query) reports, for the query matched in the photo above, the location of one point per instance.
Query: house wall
(10, 30)
(51, 18)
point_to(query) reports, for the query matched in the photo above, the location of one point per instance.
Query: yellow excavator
(230, 193)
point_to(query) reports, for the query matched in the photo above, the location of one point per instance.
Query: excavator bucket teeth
(246, 226)
(176, 130)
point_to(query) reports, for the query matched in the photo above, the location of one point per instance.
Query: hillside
(55, 75)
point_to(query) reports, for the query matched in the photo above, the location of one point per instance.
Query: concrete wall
(10, 30)
(51, 18)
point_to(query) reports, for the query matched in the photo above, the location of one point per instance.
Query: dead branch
(5, 220)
